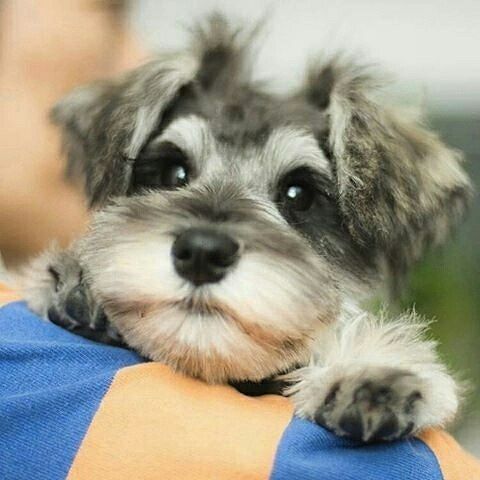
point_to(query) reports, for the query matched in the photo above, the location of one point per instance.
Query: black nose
(203, 255)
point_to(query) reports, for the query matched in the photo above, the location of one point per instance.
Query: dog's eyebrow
(192, 135)
(294, 147)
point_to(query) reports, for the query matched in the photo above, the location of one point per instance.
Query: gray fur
(400, 188)
(386, 189)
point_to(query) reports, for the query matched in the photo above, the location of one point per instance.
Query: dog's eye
(297, 191)
(162, 166)
(174, 175)
(298, 197)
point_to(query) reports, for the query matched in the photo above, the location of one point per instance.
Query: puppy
(237, 232)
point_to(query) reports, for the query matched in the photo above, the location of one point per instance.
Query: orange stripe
(7, 295)
(155, 424)
(455, 463)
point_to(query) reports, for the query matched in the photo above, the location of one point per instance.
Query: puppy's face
(234, 224)
(223, 257)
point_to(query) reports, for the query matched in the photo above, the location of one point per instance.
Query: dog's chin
(210, 341)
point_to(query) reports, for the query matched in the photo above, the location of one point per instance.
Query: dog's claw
(76, 304)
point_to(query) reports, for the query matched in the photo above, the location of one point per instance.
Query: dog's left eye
(298, 197)
(164, 166)
(174, 175)
(297, 191)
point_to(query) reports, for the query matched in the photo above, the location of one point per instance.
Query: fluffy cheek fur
(258, 321)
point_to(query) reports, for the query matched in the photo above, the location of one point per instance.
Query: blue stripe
(309, 452)
(51, 383)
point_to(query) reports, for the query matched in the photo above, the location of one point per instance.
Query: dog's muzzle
(202, 255)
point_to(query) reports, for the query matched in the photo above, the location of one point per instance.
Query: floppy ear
(400, 187)
(106, 124)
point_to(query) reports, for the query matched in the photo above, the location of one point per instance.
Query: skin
(46, 49)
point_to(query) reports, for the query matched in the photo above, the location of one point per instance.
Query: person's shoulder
(21, 330)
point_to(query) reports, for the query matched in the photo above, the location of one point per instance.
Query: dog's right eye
(164, 166)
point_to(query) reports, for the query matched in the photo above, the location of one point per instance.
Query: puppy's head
(232, 224)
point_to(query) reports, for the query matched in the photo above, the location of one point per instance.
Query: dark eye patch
(160, 166)
(319, 220)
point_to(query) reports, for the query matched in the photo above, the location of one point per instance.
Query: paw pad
(382, 407)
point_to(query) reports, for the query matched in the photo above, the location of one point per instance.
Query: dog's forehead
(282, 149)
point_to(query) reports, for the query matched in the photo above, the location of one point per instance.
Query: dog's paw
(77, 313)
(378, 404)
(72, 307)
(370, 404)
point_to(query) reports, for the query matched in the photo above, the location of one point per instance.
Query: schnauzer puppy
(236, 232)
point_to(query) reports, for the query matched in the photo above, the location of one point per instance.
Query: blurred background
(430, 47)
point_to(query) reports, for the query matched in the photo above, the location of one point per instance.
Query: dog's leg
(375, 380)
(54, 288)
